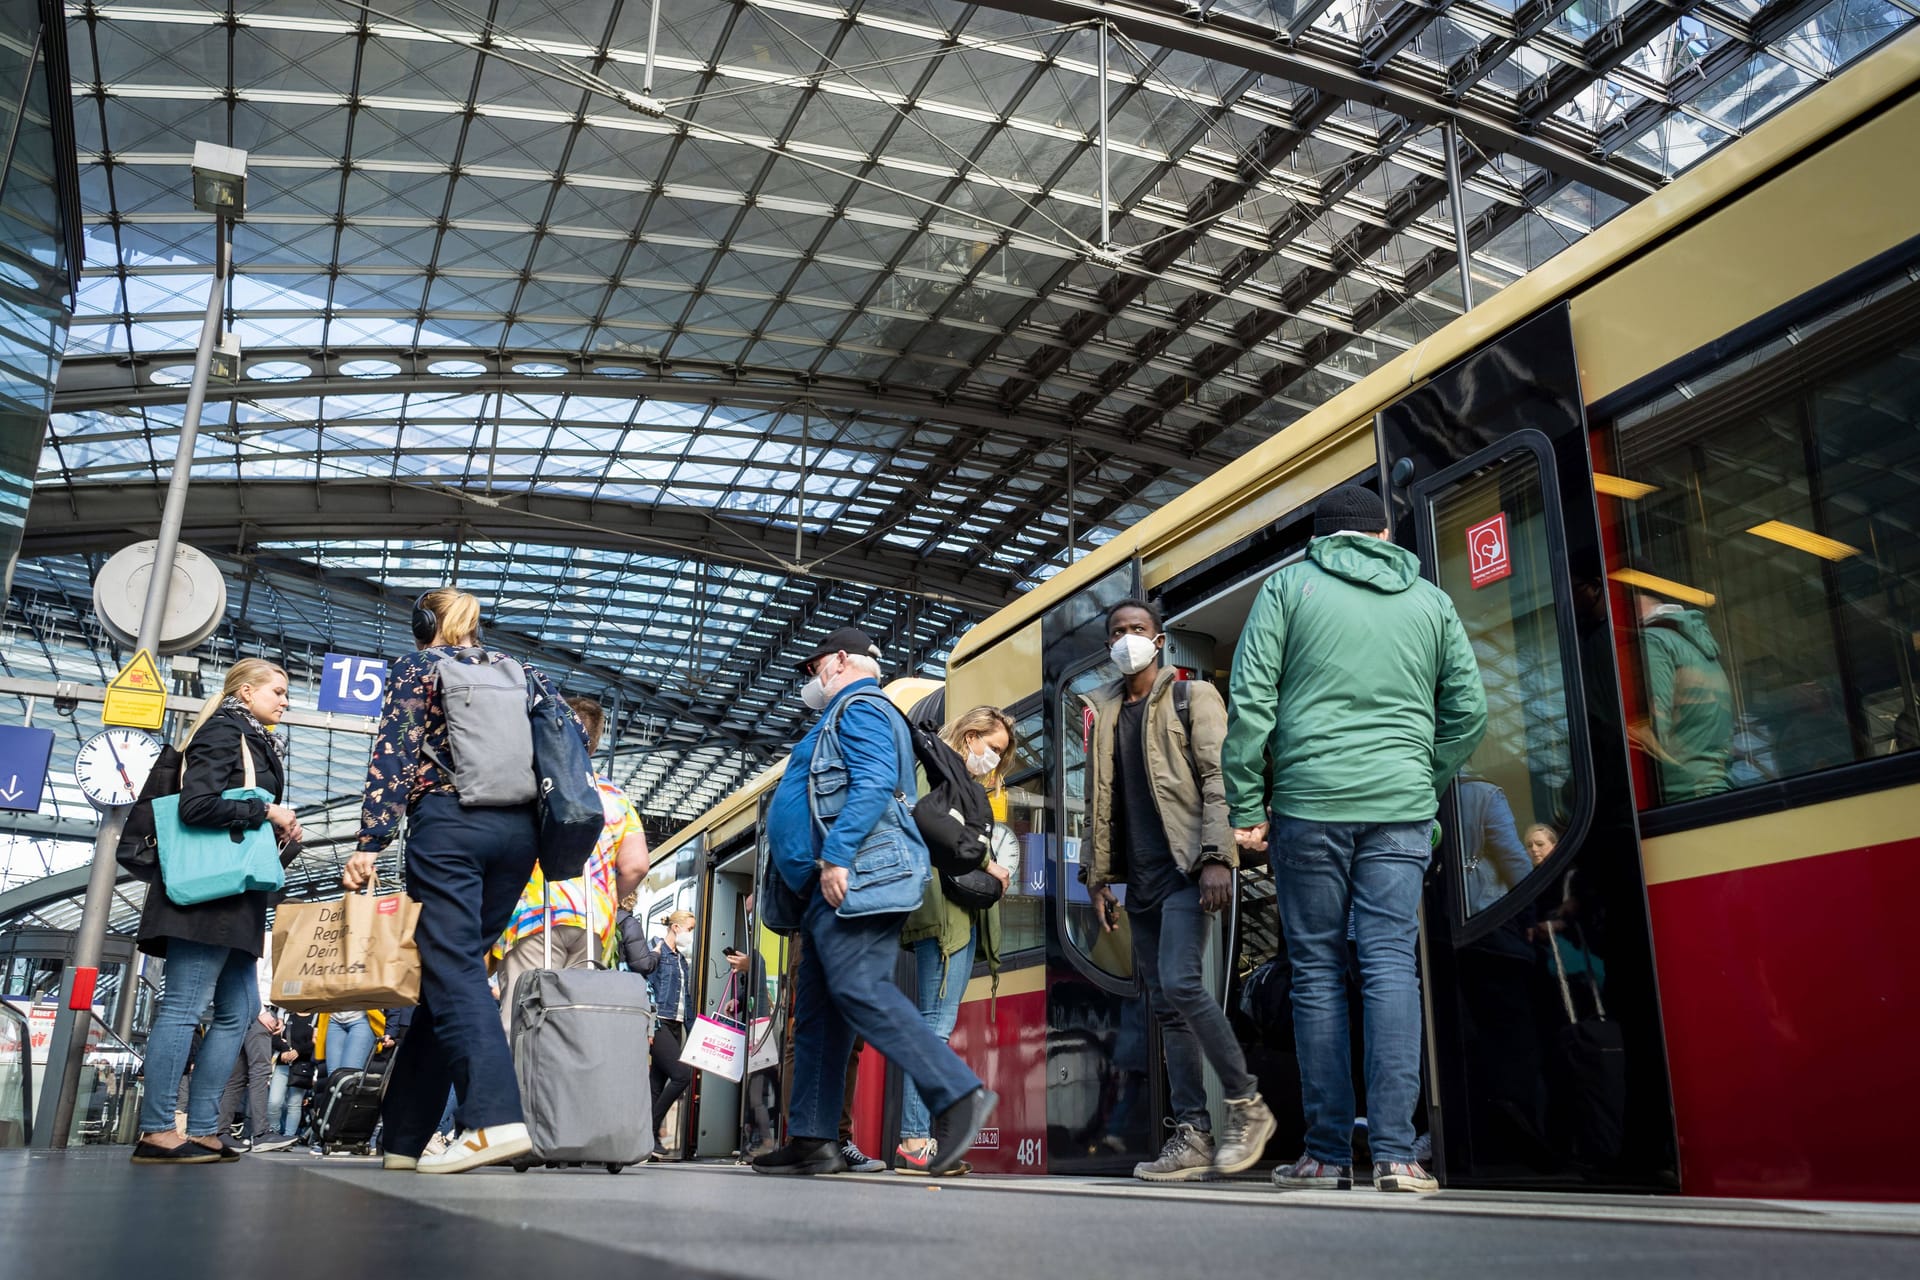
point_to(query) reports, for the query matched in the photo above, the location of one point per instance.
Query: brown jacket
(1194, 811)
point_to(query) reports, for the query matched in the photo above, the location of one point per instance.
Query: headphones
(426, 623)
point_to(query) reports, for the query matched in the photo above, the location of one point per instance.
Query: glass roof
(682, 351)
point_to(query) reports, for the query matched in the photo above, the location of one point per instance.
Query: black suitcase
(348, 1110)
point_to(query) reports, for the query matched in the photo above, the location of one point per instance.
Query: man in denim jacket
(845, 985)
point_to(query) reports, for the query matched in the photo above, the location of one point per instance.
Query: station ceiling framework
(687, 334)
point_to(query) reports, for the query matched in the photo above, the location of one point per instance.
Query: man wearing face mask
(844, 984)
(1158, 812)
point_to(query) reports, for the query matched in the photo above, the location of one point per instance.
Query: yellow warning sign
(135, 697)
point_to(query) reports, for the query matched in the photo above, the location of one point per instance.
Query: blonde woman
(211, 947)
(944, 936)
(466, 867)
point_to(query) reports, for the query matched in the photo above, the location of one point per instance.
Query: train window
(1765, 573)
(1110, 952)
(1493, 549)
(1023, 910)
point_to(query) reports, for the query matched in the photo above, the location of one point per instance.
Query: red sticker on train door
(1489, 557)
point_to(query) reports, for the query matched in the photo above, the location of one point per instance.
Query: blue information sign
(23, 766)
(352, 685)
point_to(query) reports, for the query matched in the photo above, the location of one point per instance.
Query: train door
(772, 996)
(1546, 1062)
(723, 927)
(1103, 1073)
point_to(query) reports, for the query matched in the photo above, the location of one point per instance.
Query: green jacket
(1691, 703)
(1355, 684)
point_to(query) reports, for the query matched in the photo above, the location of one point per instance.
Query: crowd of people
(1355, 699)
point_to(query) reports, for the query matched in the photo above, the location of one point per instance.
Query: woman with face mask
(670, 979)
(943, 936)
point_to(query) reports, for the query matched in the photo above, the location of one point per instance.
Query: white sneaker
(399, 1164)
(474, 1148)
(437, 1143)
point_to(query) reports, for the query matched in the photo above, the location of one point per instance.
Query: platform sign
(353, 686)
(24, 754)
(135, 697)
(1489, 557)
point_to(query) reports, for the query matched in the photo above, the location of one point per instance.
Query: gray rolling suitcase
(580, 1041)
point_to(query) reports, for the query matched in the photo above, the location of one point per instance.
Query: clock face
(113, 765)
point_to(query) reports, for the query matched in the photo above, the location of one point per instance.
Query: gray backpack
(487, 730)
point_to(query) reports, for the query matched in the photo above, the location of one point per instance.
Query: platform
(292, 1216)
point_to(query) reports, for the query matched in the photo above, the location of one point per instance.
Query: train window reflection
(1765, 573)
(1495, 562)
(1110, 952)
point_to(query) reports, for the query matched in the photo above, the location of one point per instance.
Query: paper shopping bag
(716, 1046)
(763, 1047)
(356, 953)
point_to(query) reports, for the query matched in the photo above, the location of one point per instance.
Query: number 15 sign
(354, 686)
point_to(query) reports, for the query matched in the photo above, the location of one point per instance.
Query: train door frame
(1494, 1111)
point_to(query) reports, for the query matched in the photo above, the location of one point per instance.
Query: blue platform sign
(351, 685)
(24, 754)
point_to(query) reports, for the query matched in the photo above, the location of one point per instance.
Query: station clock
(113, 764)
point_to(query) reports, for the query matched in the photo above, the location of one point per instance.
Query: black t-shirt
(1139, 836)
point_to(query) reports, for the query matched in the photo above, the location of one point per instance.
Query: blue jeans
(466, 869)
(845, 988)
(940, 986)
(287, 1118)
(197, 973)
(1168, 942)
(348, 1045)
(1321, 870)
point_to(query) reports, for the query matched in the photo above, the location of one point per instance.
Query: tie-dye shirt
(569, 896)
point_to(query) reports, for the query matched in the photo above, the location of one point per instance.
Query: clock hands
(121, 766)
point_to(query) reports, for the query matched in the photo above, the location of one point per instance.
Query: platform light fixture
(220, 180)
(1621, 487)
(1814, 544)
(1663, 586)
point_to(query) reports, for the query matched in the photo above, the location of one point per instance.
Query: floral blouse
(412, 723)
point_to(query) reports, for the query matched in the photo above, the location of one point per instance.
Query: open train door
(1546, 1064)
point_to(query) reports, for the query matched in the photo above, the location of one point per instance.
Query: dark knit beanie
(1349, 508)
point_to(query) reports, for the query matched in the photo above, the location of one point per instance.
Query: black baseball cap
(845, 640)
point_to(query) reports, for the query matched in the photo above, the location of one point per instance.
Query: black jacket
(213, 765)
(299, 1034)
(632, 930)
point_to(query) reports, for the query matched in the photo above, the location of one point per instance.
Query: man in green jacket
(1158, 824)
(1355, 689)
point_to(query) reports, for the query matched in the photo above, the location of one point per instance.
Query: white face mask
(982, 763)
(814, 694)
(1133, 654)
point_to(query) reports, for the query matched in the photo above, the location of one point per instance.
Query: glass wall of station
(39, 237)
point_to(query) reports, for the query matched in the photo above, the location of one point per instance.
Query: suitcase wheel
(615, 1168)
(523, 1164)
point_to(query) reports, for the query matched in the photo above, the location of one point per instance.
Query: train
(1670, 480)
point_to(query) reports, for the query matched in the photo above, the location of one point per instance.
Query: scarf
(239, 708)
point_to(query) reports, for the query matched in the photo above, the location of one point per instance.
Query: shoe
(188, 1152)
(1187, 1157)
(437, 1143)
(476, 1148)
(399, 1164)
(957, 1127)
(1423, 1148)
(658, 1153)
(911, 1163)
(227, 1150)
(273, 1142)
(1308, 1174)
(1403, 1175)
(804, 1156)
(859, 1161)
(1114, 1143)
(1249, 1125)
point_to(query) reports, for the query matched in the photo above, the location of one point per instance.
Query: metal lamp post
(219, 188)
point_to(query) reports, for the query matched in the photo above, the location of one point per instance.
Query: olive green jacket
(954, 925)
(1187, 788)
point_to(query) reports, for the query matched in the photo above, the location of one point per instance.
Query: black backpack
(955, 818)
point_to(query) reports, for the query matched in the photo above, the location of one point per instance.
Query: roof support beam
(228, 515)
(1251, 45)
(111, 383)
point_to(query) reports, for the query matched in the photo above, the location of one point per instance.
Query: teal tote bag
(200, 864)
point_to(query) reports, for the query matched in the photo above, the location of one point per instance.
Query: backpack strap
(1183, 707)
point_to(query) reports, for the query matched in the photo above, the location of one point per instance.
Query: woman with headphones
(465, 866)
